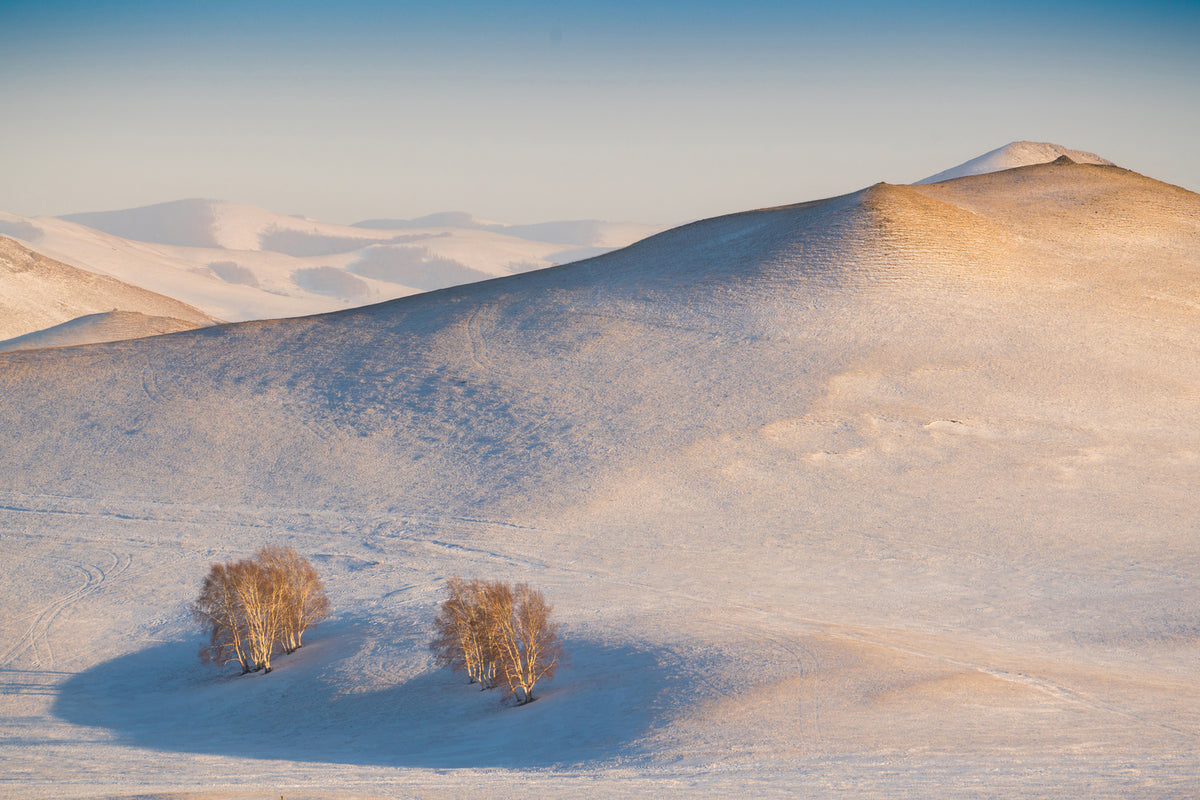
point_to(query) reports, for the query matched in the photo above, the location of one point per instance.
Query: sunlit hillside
(887, 494)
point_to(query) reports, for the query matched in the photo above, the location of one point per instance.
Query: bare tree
(497, 634)
(253, 606)
(260, 598)
(463, 638)
(450, 643)
(219, 609)
(528, 642)
(302, 600)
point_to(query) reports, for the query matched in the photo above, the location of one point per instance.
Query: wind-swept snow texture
(1015, 154)
(38, 293)
(892, 494)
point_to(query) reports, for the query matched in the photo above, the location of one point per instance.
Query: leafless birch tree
(259, 598)
(302, 601)
(463, 636)
(497, 634)
(529, 646)
(253, 606)
(219, 609)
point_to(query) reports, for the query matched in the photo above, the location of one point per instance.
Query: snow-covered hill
(592, 237)
(890, 494)
(106, 326)
(239, 262)
(37, 293)
(1015, 154)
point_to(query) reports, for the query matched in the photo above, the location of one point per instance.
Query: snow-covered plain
(239, 262)
(891, 494)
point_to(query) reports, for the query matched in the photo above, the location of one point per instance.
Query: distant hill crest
(240, 262)
(38, 292)
(1013, 155)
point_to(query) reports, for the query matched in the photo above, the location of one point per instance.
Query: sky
(533, 111)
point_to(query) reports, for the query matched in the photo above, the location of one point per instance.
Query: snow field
(886, 495)
(239, 262)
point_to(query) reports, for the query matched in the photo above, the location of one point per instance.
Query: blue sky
(527, 111)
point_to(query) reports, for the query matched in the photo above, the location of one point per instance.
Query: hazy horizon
(536, 111)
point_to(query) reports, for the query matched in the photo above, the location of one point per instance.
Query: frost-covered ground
(886, 495)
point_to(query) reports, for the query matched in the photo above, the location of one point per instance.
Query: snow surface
(239, 262)
(37, 293)
(1015, 154)
(891, 494)
(574, 233)
(107, 326)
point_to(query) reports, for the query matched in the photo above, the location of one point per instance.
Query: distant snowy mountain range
(233, 262)
(239, 262)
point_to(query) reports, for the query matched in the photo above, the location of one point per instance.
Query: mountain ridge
(201, 222)
(744, 277)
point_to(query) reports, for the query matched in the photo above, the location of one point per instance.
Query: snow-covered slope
(891, 494)
(1015, 154)
(574, 233)
(37, 293)
(231, 226)
(107, 326)
(239, 262)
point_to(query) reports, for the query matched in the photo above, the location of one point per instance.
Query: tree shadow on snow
(311, 708)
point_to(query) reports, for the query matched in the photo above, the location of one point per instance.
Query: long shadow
(595, 710)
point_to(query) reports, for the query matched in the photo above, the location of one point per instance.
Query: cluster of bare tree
(259, 605)
(499, 634)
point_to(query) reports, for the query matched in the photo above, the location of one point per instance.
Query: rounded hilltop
(1016, 154)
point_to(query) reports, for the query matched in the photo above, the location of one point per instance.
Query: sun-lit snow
(240, 262)
(1015, 154)
(106, 326)
(891, 494)
(37, 293)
